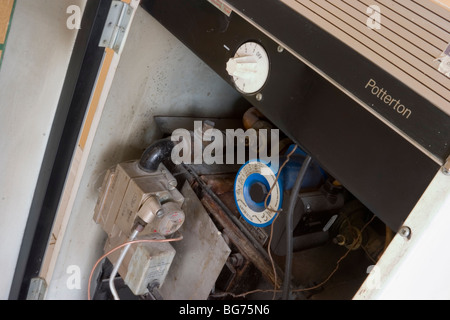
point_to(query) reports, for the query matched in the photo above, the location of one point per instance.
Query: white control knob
(242, 67)
(249, 67)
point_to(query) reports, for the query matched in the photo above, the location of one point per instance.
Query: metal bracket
(446, 167)
(117, 23)
(37, 289)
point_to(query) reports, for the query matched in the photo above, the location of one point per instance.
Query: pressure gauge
(249, 67)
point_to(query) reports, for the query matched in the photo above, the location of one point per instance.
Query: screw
(160, 213)
(405, 232)
(259, 96)
(236, 260)
(446, 171)
(446, 167)
(280, 49)
(308, 207)
(339, 240)
(172, 184)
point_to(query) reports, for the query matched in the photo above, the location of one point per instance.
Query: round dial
(172, 219)
(249, 67)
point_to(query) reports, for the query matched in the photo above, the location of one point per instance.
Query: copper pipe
(251, 117)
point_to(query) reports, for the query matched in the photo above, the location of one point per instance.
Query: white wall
(31, 77)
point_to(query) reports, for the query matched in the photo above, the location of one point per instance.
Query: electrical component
(134, 199)
(252, 184)
(255, 178)
(249, 67)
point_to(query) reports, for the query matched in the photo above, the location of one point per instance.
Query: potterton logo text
(384, 96)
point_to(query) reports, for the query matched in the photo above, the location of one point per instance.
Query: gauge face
(172, 220)
(249, 68)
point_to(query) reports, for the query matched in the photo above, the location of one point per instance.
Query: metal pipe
(156, 153)
(118, 263)
(289, 226)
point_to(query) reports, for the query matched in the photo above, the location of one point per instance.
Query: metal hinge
(116, 26)
(37, 289)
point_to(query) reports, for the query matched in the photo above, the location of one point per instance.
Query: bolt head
(405, 232)
(339, 240)
(259, 96)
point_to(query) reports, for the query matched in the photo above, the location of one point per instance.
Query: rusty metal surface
(200, 256)
(241, 242)
(219, 183)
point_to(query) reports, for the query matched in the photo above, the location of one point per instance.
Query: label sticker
(219, 4)
(256, 213)
(444, 66)
(444, 59)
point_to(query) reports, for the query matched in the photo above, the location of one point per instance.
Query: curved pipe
(253, 118)
(155, 154)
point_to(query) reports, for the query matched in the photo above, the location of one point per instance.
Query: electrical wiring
(368, 254)
(121, 246)
(126, 245)
(275, 291)
(271, 259)
(338, 262)
(240, 295)
(224, 294)
(288, 157)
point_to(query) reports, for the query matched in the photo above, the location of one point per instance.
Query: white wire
(117, 266)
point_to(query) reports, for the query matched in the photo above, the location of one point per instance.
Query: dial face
(249, 68)
(171, 221)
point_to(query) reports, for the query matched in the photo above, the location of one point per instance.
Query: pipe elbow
(156, 153)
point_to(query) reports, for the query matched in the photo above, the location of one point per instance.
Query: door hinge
(37, 289)
(116, 26)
